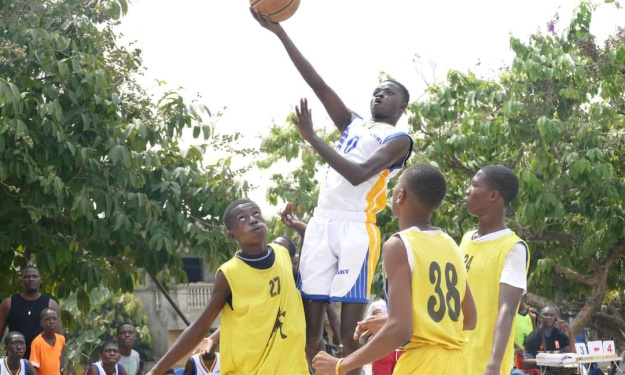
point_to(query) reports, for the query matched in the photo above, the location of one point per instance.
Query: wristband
(338, 367)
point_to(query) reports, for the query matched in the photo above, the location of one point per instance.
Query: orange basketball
(276, 10)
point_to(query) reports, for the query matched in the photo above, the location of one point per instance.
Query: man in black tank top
(21, 312)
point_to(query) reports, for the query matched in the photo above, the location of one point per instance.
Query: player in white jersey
(14, 363)
(202, 364)
(109, 361)
(342, 243)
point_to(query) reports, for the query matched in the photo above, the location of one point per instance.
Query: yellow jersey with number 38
(263, 330)
(438, 288)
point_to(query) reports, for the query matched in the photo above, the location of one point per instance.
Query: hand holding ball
(275, 10)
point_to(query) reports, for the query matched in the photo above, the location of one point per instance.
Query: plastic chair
(518, 362)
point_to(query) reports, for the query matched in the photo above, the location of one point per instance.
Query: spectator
(549, 337)
(525, 323)
(48, 349)
(126, 337)
(21, 312)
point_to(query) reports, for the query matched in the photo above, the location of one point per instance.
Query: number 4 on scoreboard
(608, 347)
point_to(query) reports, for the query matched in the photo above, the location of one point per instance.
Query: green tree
(95, 184)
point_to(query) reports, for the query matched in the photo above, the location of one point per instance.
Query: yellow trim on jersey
(209, 370)
(376, 198)
(373, 233)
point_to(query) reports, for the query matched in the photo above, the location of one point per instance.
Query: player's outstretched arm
(468, 310)
(390, 153)
(397, 329)
(339, 113)
(192, 336)
(509, 298)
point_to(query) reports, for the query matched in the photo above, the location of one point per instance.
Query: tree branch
(519, 154)
(575, 276)
(562, 237)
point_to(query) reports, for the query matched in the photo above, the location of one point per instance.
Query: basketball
(276, 10)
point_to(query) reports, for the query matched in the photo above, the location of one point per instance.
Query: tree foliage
(95, 184)
(86, 331)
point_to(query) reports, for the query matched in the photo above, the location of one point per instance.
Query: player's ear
(403, 107)
(232, 236)
(401, 196)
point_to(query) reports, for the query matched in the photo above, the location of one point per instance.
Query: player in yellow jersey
(263, 331)
(429, 300)
(496, 260)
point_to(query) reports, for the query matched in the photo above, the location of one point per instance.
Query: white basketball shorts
(339, 256)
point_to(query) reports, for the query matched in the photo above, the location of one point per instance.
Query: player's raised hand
(265, 22)
(291, 221)
(304, 120)
(207, 345)
(324, 364)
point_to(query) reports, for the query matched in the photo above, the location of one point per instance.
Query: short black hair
(124, 324)
(8, 338)
(502, 179)
(47, 310)
(230, 208)
(290, 245)
(426, 183)
(30, 267)
(108, 343)
(402, 89)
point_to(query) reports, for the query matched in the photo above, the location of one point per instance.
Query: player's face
(31, 280)
(478, 195)
(49, 321)
(387, 101)
(126, 336)
(16, 346)
(248, 224)
(110, 355)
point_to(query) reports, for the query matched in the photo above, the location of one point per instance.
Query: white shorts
(339, 256)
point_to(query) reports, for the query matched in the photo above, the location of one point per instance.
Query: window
(194, 269)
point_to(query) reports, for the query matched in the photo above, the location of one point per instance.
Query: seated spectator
(14, 362)
(549, 338)
(47, 350)
(109, 361)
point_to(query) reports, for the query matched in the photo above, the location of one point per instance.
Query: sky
(215, 48)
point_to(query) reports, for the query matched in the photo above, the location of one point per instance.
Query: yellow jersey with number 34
(438, 288)
(263, 330)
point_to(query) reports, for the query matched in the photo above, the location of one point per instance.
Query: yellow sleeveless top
(438, 288)
(263, 330)
(484, 262)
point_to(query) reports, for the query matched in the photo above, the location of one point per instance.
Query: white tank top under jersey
(513, 272)
(359, 140)
(4, 367)
(100, 369)
(202, 369)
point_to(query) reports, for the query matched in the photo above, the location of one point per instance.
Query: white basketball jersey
(202, 369)
(359, 140)
(4, 367)
(100, 369)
